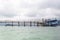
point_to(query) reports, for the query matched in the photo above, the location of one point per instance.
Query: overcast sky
(29, 9)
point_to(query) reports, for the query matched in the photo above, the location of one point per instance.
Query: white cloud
(29, 9)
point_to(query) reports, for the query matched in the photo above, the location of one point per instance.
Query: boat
(50, 23)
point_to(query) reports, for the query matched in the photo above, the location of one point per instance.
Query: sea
(29, 33)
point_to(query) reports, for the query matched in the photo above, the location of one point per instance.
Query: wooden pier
(20, 23)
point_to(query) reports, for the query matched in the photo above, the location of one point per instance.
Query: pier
(30, 23)
(20, 23)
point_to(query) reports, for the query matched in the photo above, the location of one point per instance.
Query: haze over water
(29, 33)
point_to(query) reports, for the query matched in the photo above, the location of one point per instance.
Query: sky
(29, 9)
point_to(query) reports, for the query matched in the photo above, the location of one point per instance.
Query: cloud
(47, 8)
(8, 13)
(30, 8)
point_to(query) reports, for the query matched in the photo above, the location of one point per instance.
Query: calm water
(29, 33)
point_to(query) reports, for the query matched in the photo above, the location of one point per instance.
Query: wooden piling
(5, 23)
(34, 23)
(37, 24)
(18, 23)
(24, 23)
(30, 23)
(12, 23)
